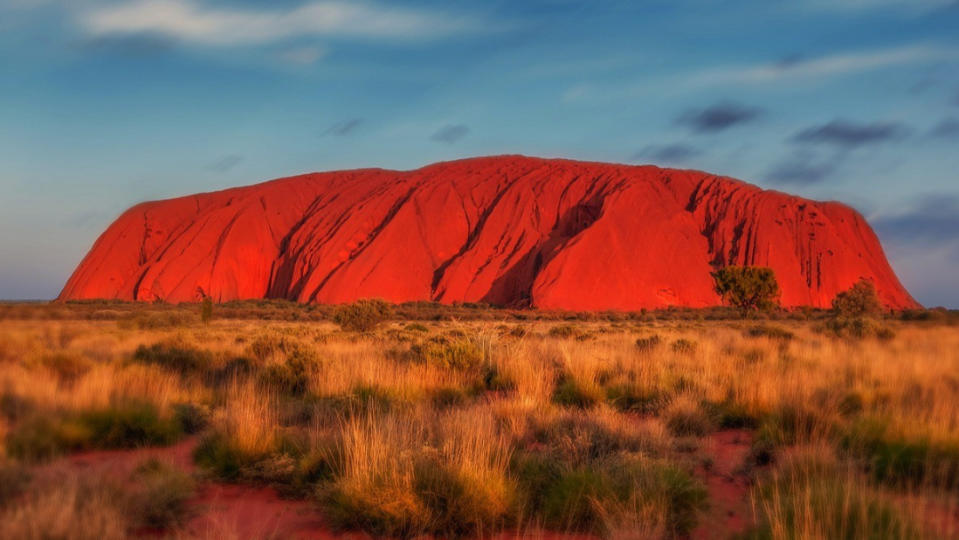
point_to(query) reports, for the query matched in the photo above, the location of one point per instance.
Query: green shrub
(628, 397)
(14, 478)
(895, 460)
(770, 331)
(577, 438)
(747, 288)
(812, 500)
(461, 354)
(858, 301)
(683, 346)
(126, 425)
(36, 438)
(570, 393)
(648, 344)
(858, 328)
(216, 453)
(443, 502)
(564, 331)
(363, 315)
(191, 418)
(175, 356)
(206, 310)
(685, 417)
(159, 499)
(581, 498)
(447, 397)
(67, 367)
(129, 425)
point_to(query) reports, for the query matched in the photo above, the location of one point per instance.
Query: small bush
(809, 499)
(899, 461)
(648, 344)
(14, 478)
(159, 500)
(220, 457)
(564, 331)
(175, 356)
(461, 354)
(206, 310)
(858, 328)
(858, 301)
(128, 426)
(191, 418)
(363, 315)
(582, 498)
(635, 398)
(683, 346)
(771, 332)
(686, 417)
(570, 393)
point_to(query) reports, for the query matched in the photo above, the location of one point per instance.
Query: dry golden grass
(402, 443)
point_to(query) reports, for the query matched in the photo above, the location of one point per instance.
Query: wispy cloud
(305, 55)
(667, 154)
(790, 70)
(344, 128)
(718, 117)
(193, 21)
(450, 134)
(804, 168)
(225, 164)
(824, 66)
(947, 128)
(918, 6)
(847, 135)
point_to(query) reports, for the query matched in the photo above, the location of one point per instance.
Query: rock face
(508, 230)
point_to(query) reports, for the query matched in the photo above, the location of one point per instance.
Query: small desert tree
(860, 300)
(206, 309)
(363, 315)
(747, 288)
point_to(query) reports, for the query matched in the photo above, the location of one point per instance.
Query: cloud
(934, 219)
(803, 168)
(302, 55)
(848, 135)
(139, 44)
(192, 21)
(948, 128)
(798, 67)
(343, 128)
(450, 134)
(669, 153)
(920, 6)
(718, 117)
(225, 163)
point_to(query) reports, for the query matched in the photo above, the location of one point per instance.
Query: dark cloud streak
(225, 163)
(947, 128)
(450, 134)
(719, 117)
(848, 135)
(935, 219)
(669, 153)
(344, 128)
(142, 44)
(803, 168)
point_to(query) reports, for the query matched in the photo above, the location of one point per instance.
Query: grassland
(466, 422)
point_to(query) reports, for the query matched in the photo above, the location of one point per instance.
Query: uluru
(507, 230)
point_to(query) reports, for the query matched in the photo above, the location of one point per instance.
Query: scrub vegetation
(466, 421)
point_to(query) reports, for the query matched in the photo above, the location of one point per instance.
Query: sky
(106, 103)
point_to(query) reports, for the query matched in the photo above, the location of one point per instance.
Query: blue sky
(105, 103)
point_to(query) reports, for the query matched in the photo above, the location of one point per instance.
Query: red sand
(507, 230)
